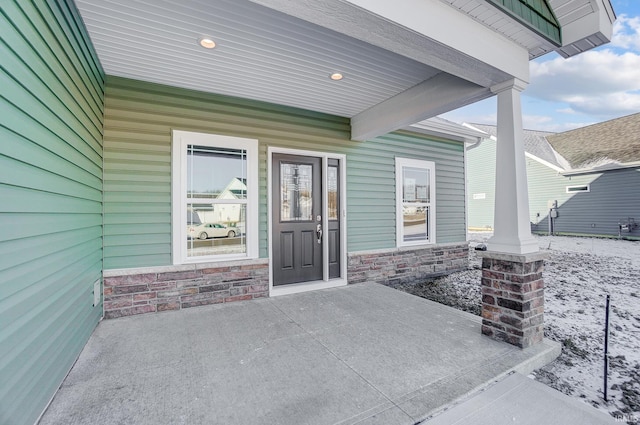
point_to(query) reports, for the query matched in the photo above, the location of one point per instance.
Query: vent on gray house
(581, 188)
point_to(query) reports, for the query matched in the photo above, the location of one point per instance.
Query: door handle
(319, 233)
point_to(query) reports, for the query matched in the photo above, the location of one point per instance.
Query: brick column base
(513, 297)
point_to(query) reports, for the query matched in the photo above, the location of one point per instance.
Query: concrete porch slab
(519, 400)
(361, 354)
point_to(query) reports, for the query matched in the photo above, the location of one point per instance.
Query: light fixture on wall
(336, 76)
(206, 42)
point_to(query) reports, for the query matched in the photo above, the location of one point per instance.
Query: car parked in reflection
(212, 230)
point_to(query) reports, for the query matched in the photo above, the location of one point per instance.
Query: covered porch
(361, 354)
(93, 93)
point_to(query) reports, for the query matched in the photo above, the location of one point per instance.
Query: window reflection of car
(212, 230)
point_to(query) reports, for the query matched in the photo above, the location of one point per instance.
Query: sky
(595, 86)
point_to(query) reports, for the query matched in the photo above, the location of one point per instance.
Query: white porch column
(511, 228)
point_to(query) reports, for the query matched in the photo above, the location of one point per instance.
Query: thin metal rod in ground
(606, 348)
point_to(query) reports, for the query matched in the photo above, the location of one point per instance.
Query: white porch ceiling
(261, 54)
(283, 51)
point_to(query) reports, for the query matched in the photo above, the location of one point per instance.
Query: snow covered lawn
(578, 275)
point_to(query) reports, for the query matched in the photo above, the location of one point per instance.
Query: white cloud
(568, 111)
(597, 85)
(626, 33)
(604, 83)
(529, 121)
(601, 82)
(535, 122)
(461, 116)
(551, 124)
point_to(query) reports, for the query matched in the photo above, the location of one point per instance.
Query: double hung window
(215, 195)
(415, 205)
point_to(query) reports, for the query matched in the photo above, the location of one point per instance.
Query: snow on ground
(579, 273)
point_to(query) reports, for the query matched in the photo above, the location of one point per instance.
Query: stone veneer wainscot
(147, 290)
(402, 265)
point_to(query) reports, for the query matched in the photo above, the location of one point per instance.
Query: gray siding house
(592, 174)
(123, 121)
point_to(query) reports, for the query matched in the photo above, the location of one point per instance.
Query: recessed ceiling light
(207, 42)
(336, 76)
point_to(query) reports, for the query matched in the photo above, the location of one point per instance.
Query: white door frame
(325, 282)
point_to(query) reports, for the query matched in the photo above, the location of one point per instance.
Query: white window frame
(587, 188)
(180, 141)
(430, 166)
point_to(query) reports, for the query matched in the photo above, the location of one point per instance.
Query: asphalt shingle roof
(535, 142)
(614, 141)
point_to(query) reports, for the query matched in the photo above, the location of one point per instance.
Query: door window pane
(296, 193)
(332, 187)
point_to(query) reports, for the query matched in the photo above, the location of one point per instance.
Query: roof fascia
(448, 131)
(545, 163)
(601, 168)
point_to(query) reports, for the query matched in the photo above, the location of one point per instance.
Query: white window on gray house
(578, 188)
(215, 197)
(415, 202)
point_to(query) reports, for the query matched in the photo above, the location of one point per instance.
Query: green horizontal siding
(371, 188)
(51, 98)
(547, 185)
(481, 178)
(613, 195)
(139, 118)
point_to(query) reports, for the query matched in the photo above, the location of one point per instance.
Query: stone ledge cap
(183, 267)
(515, 258)
(409, 249)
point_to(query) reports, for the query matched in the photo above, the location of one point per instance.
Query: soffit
(492, 17)
(261, 54)
(267, 53)
(566, 12)
(535, 13)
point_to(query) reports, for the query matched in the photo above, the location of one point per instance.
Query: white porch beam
(512, 229)
(452, 28)
(434, 96)
(428, 31)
